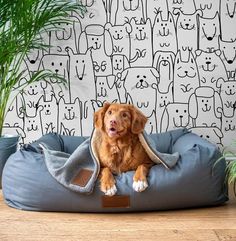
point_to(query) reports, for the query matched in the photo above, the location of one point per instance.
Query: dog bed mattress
(196, 179)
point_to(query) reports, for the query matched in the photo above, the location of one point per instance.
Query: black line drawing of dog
(209, 32)
(66, 36)
(97, 12)
(164, 63)
(82, 78)
(208, 7)
(228, 129)
(164, 34)
(228, 96)
(122, 11)
(32, 127)
(205, 107)
(99, 40)
(210, 67)
(121, 38)
(186, 77)
(228, 55)
(70, 118)
(228, 18)
(141, 42)
(175, 115)
(187, 29)
(58, 64)
(106, 89)
(141, 87)
(153, 7)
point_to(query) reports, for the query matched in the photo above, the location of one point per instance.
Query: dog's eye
(124, 115)
(109, 112)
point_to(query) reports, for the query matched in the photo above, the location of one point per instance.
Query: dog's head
(117, 120)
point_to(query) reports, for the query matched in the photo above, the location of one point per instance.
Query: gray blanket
(79, 171)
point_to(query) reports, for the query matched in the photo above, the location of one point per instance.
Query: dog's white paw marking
(111, 192)
(140, 186)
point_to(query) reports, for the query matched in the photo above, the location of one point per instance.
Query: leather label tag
(82, 178)
(116, 201)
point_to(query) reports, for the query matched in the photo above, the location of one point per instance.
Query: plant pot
(8, 145)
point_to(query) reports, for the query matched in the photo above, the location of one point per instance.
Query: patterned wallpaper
(173, 59)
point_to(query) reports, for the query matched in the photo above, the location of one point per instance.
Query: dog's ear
(138, 120)
(99, 116)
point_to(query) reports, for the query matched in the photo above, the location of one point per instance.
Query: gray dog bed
(46, 180)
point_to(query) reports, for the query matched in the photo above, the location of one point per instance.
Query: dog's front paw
(109, 190)
(140, 186)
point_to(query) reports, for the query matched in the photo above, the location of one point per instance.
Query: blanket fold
(79, 171)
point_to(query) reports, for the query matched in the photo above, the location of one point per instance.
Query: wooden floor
(218, 223)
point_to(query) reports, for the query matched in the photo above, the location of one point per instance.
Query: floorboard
(208, 224)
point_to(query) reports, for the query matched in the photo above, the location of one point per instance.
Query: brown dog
(120, 149)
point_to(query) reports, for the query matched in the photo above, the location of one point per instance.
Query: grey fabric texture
(196, 180)
(64, 166)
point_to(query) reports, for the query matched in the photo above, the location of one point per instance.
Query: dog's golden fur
(120, 149)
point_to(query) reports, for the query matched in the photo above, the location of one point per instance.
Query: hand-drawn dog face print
(32, 127)
(186, 77)
(228, 18)
(208, 7)
(31, 96)
(48, 115)
(153, 7)
(141, 86)
(70, 118)
(163, 99)
(209, 31)
(164, 34)
(187, 29)
(164, 63)
(15, 115)
(228, 96)
(205, 107)
(228, 55)
(66, 36)
(228, 129)
(32, 60)
(106, 89)
(58, 64)
(211, 68)
(119, 63)
(175, 115)
(185, 6)
(82, 79)
(99, 40)
(120, 37)
(96, 13)
(122, 11)
(141, 40)
(211, 134)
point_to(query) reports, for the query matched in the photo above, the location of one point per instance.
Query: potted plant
(22, 22)
(230, 156)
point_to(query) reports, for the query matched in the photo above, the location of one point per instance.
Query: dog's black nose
(208, 62)
(209, 38)
(56, 70)
(230, 61)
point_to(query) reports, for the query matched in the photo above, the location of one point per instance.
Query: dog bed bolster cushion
(193, 180)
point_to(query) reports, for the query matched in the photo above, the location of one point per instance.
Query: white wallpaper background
(174, 59)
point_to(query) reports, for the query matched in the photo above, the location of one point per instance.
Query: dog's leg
(107, 182)
(140, 178)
